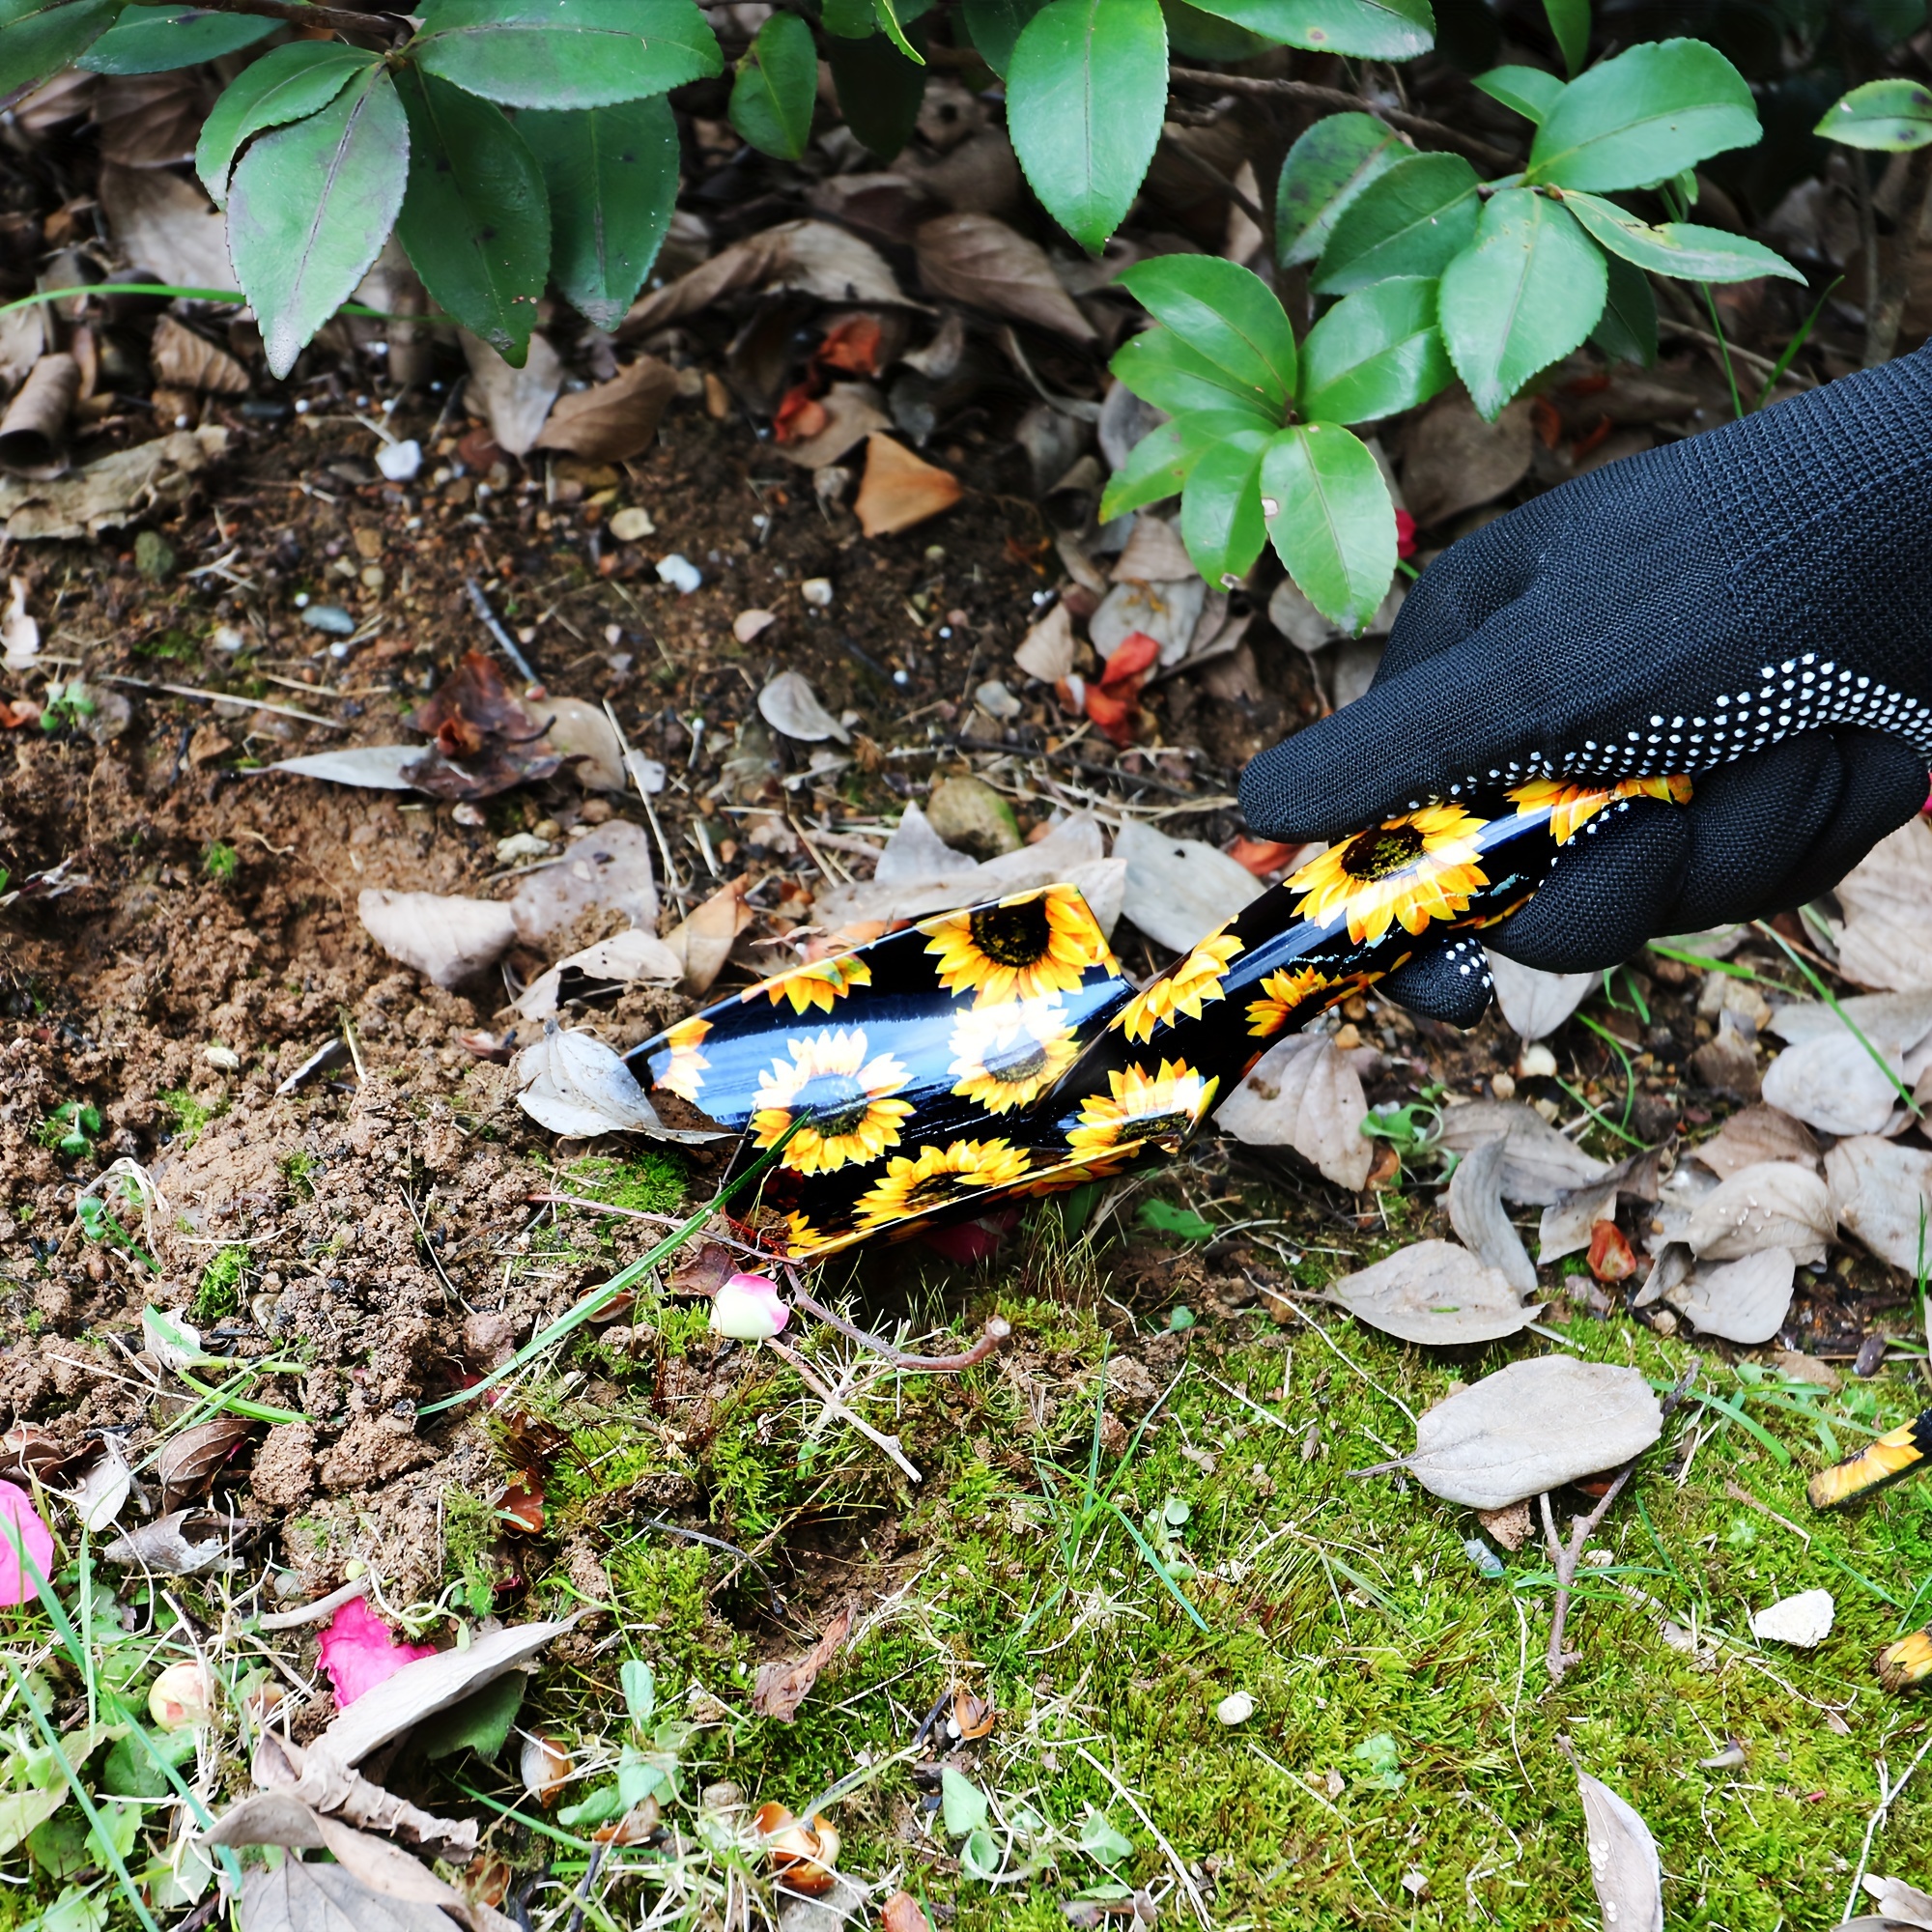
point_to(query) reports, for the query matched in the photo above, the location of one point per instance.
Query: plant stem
(298, 14)
(1886, 297)
(1723, 349)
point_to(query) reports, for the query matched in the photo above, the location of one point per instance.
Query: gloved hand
(1753, 605)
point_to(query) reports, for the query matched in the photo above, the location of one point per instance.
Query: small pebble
(631, 524)
(330, 618)
(520, 845)
(400, 462)
(817, 592)
(227, 637)
(223, 1057)
(1538, 1063)
(1483, 1557)
(680, 573)
(1870, 1356)
(155, 556)
(1237, 1708)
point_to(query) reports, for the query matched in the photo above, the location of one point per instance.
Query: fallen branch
(889, 1443)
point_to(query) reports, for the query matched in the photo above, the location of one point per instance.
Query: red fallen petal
(1136, 654)
(972, 1242)
(1543, 413)
(1610, 1255)
(800, 415)
(1113, 711)
(1262, 856)
(361, 1651)
(853, 346)
(1404, 534)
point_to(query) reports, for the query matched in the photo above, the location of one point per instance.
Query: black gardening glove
(1754, 604)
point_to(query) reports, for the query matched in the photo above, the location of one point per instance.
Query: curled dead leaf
(573, 1083)
(1772, 1204)
(1535, 1002)
(977, 260)
(1882, 1193)
(789, 704)
(181, 359)
(804, 1852)
(515, 402)
(1303, 1094)
(1744, 1301)
(1476, 1212)
(900, 490)
(446, 938)
(973, 1715)
(613, 421)
(1538, 1162)
(782, 1687)
(1437, 1293)
(486, 741)
(33, 432)
(813, 257)
(188, 1463)
(1624, 1865)
(704, 938)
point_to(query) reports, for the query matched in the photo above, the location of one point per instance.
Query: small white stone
(679, 572)
(746, 624)
(1237, 1708)
(520, 845)
(223, 1057)
(1803, 1621)
(628, 525)
(817, 592)
(1538, 1063)
(228, 638)
(400, 462)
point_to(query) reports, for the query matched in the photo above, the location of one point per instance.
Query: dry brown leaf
(900, 490)
(903, 1913)
(581, 733)
(1049, 649)
(189, 1462)
(377, 766)
(1177, 888)
(813, 257)
(783, 1687)
(1744, 1301)
(1534, 1003)
(184, 1543)
(703, 939)
(1476, 1214)
(186, 361)
(1888, 903)
(1437, 1293)
(1539, 1163)
(852, 414)
(1883, 1194)
(1153, 554)
(1454, 460)
(1903, 1904)
(977, 260)
(65, 96)
(1566, 1222)
(1756, 1134)
(573, 1083)
(109, 493)
(337, 1791)
(608, 869)
(153, 120)
(1624, 1865)
(628, 957)
(299, 1896)
(788, 705)
(979, 177)
(34, 430)
(1830, 1082)
(1510, 1527)
(613, 421)
(23, 341)
(1533, 1426)
(1892, 1021)
(1303, 1094)
(1776, 1204)
(1169, 612)
(516, 403)
(163, 223)
(446, 938)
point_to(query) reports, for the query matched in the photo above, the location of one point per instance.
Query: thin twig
(1133, 1804)
(323, 1607)
(1334, 96)
(505, 643)
(227, 698)
(889, 1443)
(1886, 1795)
(996, 1330)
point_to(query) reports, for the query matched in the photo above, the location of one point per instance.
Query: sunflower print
(1906, 1665)
(1412, 869)
(822, 985)
(1006, 1057)
(1143, 1106)
(1571, 806)
(1023, 948)
(844, 1100)
(1282, 994)
(685, 1075)
(1184, 990)
(802, 1237)
(1874, 1467)
(936, 1176)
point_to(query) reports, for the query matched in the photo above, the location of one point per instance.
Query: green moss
(652, 1183)
(297, 1170)
(219, 1292)
(190, 1115)
(471, 1533)
(220, 862)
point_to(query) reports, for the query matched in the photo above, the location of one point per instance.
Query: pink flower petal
(360, 1651)
(20, 1524)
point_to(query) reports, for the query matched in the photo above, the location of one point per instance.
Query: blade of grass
(1831, 999)
(175, 292)
(1159, 1569)
(1603, 1119)
(1734, 1413)
(1795, 345)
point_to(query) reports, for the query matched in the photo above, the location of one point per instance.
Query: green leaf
(1530, 291)
(1324, 171)
(611, 173)
(151, 40)
(979, 1855)
(1641, 117)
(1161, 369)
(1377, 352)
(1195, 35)
(1413, 220)
(1365, 29)
(995, 25)
(475, 221)
(961, 1802)
(1888, 115)
(25, 1811)
(1228, 316)
(879, 90)
(310, 207)
(1680, 248)
(1569, 23)
(1163, 1216)
(481, 1723)
(1221, 520)
(1155, 468)
(887, 16)
(286, 84)
(777, 87)
(566, 53)
(1627, 329)
(131, 1771)
(38, 37)
(1330, 520)
(1528, 90)
(849, 19)
(639, 1685)
(1086, 92)
(1101, 1838)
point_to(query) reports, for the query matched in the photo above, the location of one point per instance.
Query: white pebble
(1803, 1621)
(1237, 1708)
(399, 462)
(680, 573)
(223, 1057)
(817, 592)
(628, 525)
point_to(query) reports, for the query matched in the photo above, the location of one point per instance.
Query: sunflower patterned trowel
(999, 1052)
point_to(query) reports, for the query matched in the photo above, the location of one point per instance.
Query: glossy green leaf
(1161, 369)
(286, 84)
(879, 90)
(1680, 248)
(1195, 35)
(1330, 520)
(566, 53)
(1887, 115)
(1086, 92)
(1155, 468)
(1228, 316)
(1331, 163)
(1221, 507)
(1528, 90)
(849, 19)
(1366, 29)
(1569, 23)
(776, 86)
(1528, 291)
(1627, 329)
(1373, 354)
(961, 1802)
(475, 219)
(995, 25)
(1641, 117)
(481, 1723)
(151, 40)
(1102, 1839)
(38, 37)
(612, 178)
(310, 207)
(887, 14)
(1412, 220)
